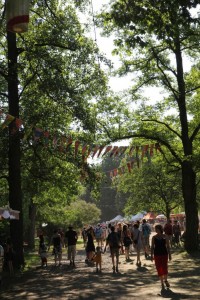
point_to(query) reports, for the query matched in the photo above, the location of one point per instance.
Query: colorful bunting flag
(108, 148)
(7, 121)
(113, 151)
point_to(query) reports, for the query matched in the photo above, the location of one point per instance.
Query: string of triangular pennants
(63, 143)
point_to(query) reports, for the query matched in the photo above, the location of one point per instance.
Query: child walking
(98, 258)
(42, 251)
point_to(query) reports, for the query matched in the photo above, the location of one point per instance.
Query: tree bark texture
(31, 231)
(188, 173)
(15, 194)
(191, 206)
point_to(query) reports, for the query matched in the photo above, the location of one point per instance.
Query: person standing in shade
(146, 231)
(160, 253)
(137, 242)
(168, 230)
(176, 233)
(57, 246)
(114, 244)
(71, 240)
(90, 248)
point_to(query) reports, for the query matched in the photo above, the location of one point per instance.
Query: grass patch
(31, 259)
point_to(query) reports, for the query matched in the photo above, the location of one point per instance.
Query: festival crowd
(121, 239)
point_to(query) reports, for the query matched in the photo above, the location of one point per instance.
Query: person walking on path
(98, 259)
(137, 242)
(71, 240)
(127, 241)
(146, 231)
(57, 247)
(168, 230)
(160, 253)
(90, 248)
(42, 251)
(114, 244)
(98, 235)
(176, 233)
(119, 232)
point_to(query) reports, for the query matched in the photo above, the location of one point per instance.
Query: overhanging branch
(165, 124)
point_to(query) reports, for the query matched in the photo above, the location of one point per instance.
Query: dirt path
(84, 283)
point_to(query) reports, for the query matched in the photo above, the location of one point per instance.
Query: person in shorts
(99, 235)
(114, 244)
(57, 247)
(71, 240)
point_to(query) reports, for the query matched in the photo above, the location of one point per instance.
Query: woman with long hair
(160, 253)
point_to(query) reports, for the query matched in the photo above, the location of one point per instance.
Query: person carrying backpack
(146, 231)
(114, 244)
(98, 235)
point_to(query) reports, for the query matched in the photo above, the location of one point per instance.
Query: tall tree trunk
(15, 194)
(31, 231)
(191, 207)
(188, 173)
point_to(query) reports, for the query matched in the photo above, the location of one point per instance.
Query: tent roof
(117, 218)
(137, 217)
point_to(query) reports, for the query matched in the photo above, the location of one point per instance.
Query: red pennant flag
(131, 150)
(144, 150)
(84, 149)
(77, 143)
(151, 149)
(69, 142)
(16, 125)
(100, 150)
(96, 148)
(129, 167)
(108, 148)
(123, 149)
(113, 151)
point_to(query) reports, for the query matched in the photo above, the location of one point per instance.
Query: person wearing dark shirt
(57, 247)
(71, 240)
(160, 252)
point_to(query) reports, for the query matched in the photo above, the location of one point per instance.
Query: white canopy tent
(118, 218)
(137, 217)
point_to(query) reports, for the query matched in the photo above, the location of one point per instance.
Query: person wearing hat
(71, 240)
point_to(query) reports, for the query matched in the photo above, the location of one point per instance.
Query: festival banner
(108, 148)
(95, 150)
(7, 121)
(113, 151)
(77, 143)
(100, 150)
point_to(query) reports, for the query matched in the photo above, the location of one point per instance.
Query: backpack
(113, 240)
(146, 230)
(98, 232)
